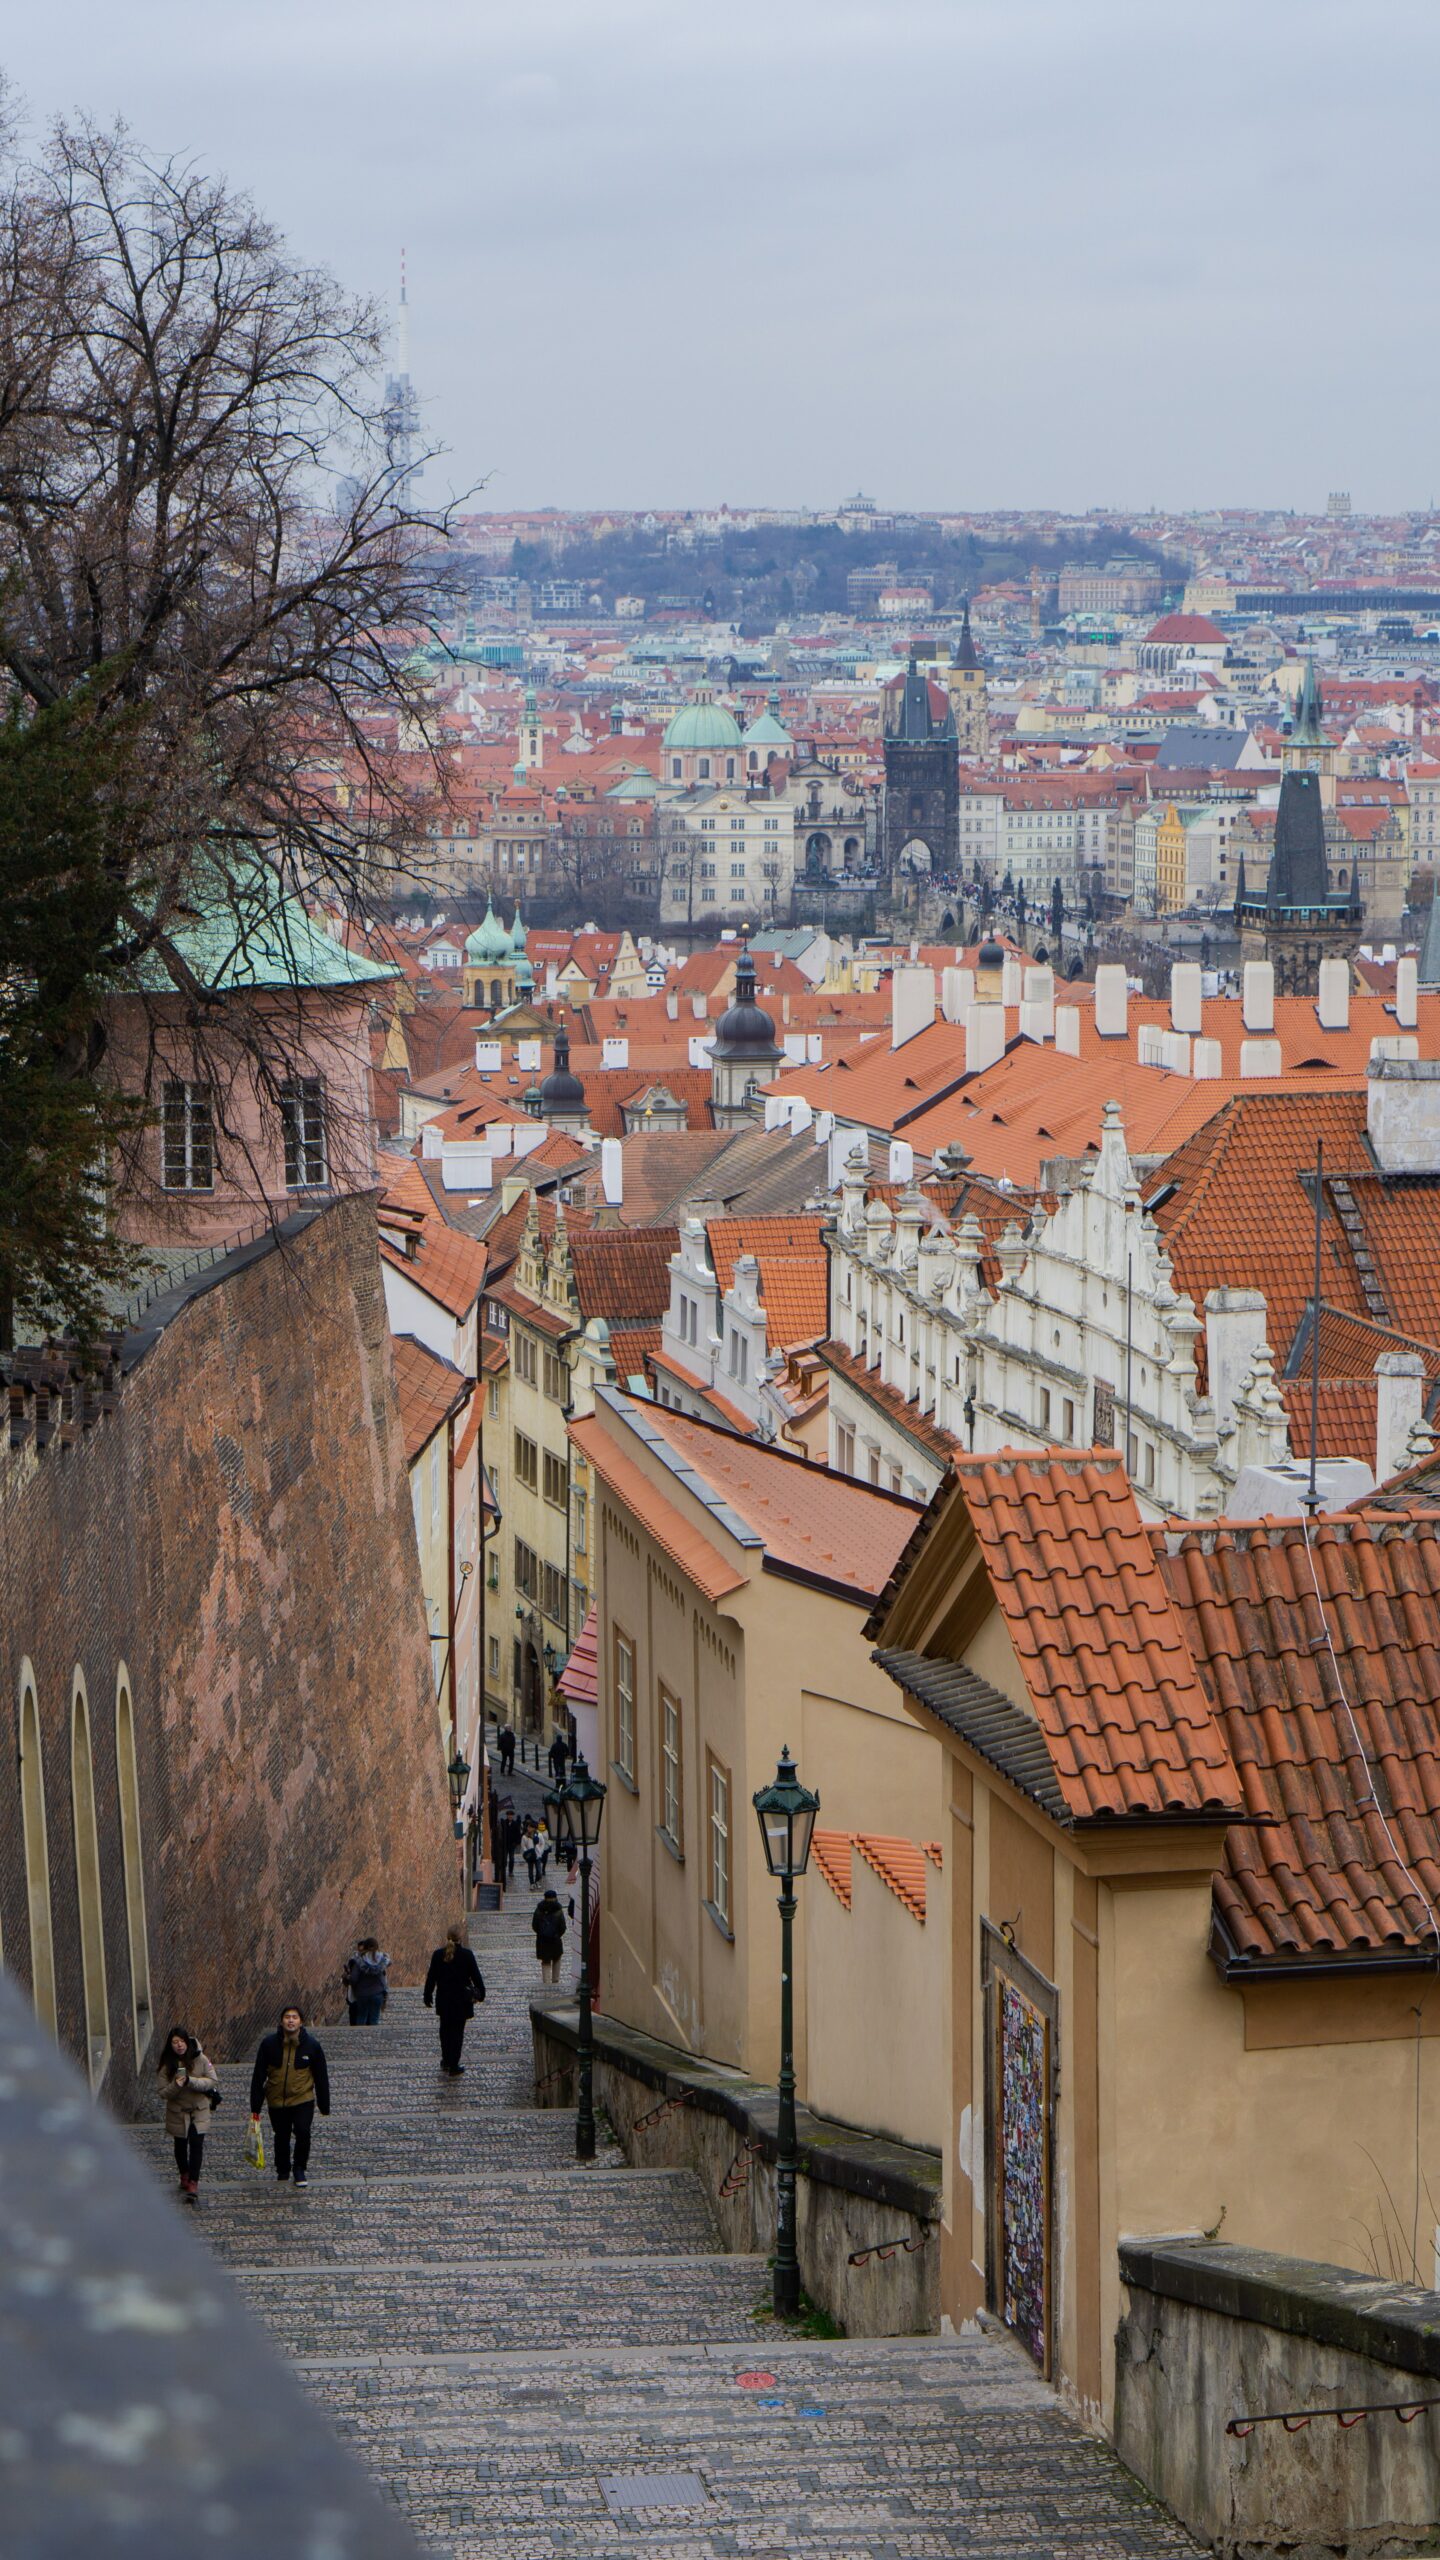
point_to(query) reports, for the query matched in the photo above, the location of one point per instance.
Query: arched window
(37, 1854)
(87, 1884)
(128, 1777)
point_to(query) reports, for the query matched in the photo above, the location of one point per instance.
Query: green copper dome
(489, 943)
(517, 933)
(704, 723)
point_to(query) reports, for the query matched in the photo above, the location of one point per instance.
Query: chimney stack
(1112, 1000)
(1257, 1002)
(1403, 1114)
(912, 1004)
(1332, 1004)
(1185, 995)
(1399, 1402)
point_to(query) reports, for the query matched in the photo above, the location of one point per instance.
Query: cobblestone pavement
(502, 2336)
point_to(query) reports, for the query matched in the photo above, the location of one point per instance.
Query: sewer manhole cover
(626, 2489)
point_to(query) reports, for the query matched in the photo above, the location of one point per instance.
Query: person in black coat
(453, 1986)
(548, 1923)
(291, 2076)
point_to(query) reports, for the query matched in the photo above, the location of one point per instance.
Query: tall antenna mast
(402, 335)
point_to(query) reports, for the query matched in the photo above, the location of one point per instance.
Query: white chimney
(912, 1004)
(824, 1124)
(552, 981)
(784, 1008)
(431, 1141)
(1147, 1044)
(1037, 1021)
(957, 993)
(1403, 1114)
(1261, 1057)
(530, 1134)
(1012, 978)
(1387, 953)
(1040, 993)
(498, 1136)
(700, 1008)
(902, 1160)
(801, 1114)
(672, 1005)
(1175, 1052)
(777, 1110)
(1112, 1000)
(1257, 1002)
(698, 1052)
(1205, 1060)
(1234, 1331)
(1067, 1029)
(614, 1053)
(793, 1044)
(489, 1057)
(466, 1168)
(1185, 995)
(837, 1157)
(814, 1048)
(1407, 981)
(1332, 1005)
(1399, 1399)
(1394, 1044)
(984, 1037)
(612, 1171)
(528, 1056)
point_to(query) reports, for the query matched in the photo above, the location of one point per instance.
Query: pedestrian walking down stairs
(542, 2362)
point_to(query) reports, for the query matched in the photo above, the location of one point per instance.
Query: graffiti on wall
(1024, 2059)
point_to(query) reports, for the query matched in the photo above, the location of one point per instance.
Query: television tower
(402, 410)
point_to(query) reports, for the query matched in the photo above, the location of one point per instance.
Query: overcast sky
(953, 252)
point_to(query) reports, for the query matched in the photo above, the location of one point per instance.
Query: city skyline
(1030, 260)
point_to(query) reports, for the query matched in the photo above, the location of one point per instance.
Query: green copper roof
(241, 927)
(703, 723)
(489, 941)
(517, 932)
(633, 786)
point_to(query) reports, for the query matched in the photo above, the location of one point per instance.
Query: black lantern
(555, 1822)
(787, 1818)
(458, 1774)
(583, 1798)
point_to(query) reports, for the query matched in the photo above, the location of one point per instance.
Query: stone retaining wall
(856, 2192)
(1213, 2334)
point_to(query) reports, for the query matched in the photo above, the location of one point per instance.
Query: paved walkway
(507, 2340)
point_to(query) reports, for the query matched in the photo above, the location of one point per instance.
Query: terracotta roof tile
(669, 1528)
(832, 1853)
(812, 1522)
(429, 1388)
(623, 1273)
(899, 1864)
(794, 1271)
(1104, 1657)
(1336, 1789)
(579, 1682)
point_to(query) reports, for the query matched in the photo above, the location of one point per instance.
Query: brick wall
(238, 1534)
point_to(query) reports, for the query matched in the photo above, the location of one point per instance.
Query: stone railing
(1277, 2406)
(868, 2209)
(143, 2408)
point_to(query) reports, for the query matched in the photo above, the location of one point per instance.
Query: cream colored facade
(743, 1662)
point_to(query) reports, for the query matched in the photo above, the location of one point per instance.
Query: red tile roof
(1342, 1753)
(793, 1271)
(447, 1265)
(696, 1557)
(623, 1273)
(816, 1524)
(430, 1389)
(832, 1853)
(579, 1682)
(900, 1864)
(1104, 1657)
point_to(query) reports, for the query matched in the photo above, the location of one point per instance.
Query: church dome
(745, 1029)
(489, 943)
(704, 724)
(562, 1090)
(990, 956)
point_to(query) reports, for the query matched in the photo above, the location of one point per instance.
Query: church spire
(1306, 730)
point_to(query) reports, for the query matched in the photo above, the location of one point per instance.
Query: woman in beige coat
(187, 2085)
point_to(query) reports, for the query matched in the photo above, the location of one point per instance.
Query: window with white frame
(720, 1842)
(671, 1798)
(302, 1119)
(187, 1129)
(624, 1704)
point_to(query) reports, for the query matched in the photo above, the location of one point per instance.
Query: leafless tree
(181, 405)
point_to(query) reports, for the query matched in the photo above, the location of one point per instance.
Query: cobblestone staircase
(509, 2342)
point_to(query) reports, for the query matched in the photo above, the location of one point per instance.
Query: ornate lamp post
(579, 1807)
(458, 1774)
(787, 1818)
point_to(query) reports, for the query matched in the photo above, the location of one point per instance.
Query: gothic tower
(969, 702)
(1300, 920)
(921, 831)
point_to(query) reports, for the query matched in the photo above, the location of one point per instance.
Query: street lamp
(458, 1774)
(580, 1805)
(787, 1819)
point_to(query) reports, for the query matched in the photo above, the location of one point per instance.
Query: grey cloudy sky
(956, 252)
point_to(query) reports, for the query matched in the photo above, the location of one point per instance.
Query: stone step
(476, 2142)
(345, 2219)
(851, 2450)
(540, 2300)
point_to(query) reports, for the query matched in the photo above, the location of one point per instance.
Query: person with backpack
(548, 1922)
(366, 1987)
(291, 2076)
(454, 1986)
(191, 2093)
